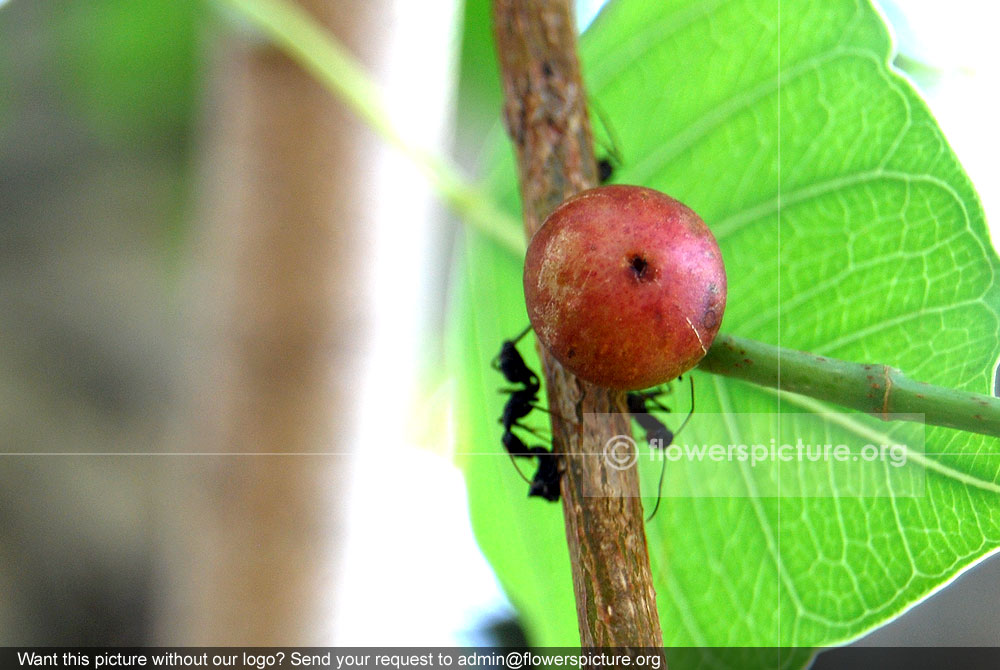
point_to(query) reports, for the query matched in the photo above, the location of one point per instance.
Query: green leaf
(848, 229)
(478, 92)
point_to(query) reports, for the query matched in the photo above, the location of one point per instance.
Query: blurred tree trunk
(284, 298)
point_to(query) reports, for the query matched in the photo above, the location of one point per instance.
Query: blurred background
(223, 411)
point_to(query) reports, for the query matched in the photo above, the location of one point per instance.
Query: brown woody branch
(545, 112)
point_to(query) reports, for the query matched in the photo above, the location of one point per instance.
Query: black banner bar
(493, 658)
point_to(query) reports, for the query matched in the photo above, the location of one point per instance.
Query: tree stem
(879, 390)
(545, 114)
(321, 54)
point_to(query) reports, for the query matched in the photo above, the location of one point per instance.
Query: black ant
(510, 363)
(605, 170)
(657, 434)
(522, 400)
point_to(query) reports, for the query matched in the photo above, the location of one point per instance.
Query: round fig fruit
(625, 286)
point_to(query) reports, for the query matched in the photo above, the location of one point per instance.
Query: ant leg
(533, 431)
(657, 404)
(613, 145)
(549, 412)
(510, 389)
(691, 411)
(663, 462)
(516, 448)
(653, 397)
(519, 471)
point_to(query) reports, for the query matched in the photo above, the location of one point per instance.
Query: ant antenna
(611, 145)
(663, 463)
(527, 329)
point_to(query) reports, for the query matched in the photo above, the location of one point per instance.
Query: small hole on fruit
(639, 267)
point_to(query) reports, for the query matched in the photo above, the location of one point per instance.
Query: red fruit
(625, 286)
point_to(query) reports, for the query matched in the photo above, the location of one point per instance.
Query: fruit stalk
(545, 114)
(879, 390)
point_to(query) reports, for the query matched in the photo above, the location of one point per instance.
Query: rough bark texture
(546, 115)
